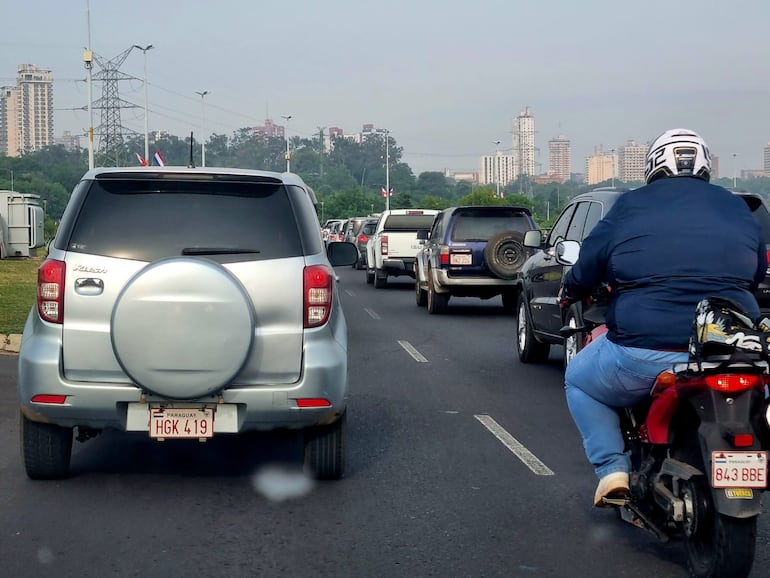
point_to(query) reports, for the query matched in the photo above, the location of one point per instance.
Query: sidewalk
(10, 343)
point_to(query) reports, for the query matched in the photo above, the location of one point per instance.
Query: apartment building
(559, 159)
(497, 169)
(26, 112)
(600, 167)
(524, 143)
(632, 158)
(766, 164)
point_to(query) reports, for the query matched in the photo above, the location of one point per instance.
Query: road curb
(10, 343)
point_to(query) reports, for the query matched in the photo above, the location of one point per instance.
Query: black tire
(420, 294)
(505, 254)
(436, 302)
(369, 276)
(380, 279)
(573, 344)
(325, 450)
(46, 450)
(530, 350)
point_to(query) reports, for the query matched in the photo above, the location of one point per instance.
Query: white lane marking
(349, 292)
(528, 458)
(371, 313)
(409, 348)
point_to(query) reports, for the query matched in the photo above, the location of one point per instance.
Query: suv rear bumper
(443, 282)
(105, 405)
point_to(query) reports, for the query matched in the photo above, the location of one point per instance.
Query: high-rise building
(26, 112)
(497, 169)
(524, 143)
(632, 159)
(766, 166)
(600, 167)
(559, 158)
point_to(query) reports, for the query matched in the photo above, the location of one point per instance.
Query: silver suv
(186, 303)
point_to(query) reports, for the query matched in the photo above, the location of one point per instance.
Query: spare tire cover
(505, 254)
(182, 328)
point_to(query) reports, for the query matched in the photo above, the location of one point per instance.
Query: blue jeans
(605, 376)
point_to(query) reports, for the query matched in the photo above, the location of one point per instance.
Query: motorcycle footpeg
(630, 512)
(616, 502)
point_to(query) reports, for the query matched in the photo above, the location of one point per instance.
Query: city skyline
(438, 81)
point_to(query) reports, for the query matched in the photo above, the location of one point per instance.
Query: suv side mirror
(533, 239)
(567, 252)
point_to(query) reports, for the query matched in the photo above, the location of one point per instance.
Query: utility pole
(202, 94)
(497, 166)
(287, 156)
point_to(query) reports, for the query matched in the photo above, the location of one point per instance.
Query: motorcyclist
(662, 248)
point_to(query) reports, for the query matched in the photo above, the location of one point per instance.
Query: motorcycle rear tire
(723, 547)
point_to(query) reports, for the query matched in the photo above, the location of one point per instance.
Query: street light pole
(88, 57)
(497, 166)
(10, 171)
(146, 101)
(613, 168)
(735, 171)
(202, 94)
(287, 155)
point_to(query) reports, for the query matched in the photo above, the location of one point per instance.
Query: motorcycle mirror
(567, 252)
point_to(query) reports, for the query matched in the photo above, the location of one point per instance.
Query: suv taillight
(443, 255)
(362, 238)
(50, 290)
(384, 244)
(317, 295)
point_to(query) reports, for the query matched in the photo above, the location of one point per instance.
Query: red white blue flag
(142, 161)
(157, 160)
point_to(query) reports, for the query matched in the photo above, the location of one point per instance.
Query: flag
(391, 191)
(157, 160)
(141, 160)
(384, 192)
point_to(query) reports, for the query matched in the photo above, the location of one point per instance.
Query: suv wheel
(46, 449)
(437, 302)
(325, 450)
(573, 343)
(505, 254)
(369, 276)
(530, 350)
(420, 294)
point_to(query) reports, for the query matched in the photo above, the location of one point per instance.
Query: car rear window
(147, 220)
(408, 222)
(482, 225)
(369, 228)
(761, 215)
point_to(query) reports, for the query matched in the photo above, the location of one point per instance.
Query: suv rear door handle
(89, 286)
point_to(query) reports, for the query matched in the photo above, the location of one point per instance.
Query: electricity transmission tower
(110, 131)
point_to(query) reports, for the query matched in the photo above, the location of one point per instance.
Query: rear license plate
(180, 422)
(739, 469)
(460, 259)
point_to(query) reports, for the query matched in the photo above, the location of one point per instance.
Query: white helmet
(678, 152)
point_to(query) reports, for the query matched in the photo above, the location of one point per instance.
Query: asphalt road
(431, 489)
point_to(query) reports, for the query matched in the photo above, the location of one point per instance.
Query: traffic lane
(531, 513)
(428, 491)
(530, 402)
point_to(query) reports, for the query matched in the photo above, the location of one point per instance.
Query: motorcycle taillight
(733, 382)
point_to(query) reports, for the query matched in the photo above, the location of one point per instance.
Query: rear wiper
(216, 251)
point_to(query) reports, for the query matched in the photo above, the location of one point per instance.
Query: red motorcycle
(699, 444)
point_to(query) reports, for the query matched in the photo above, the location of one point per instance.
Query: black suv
(539, 316)
(472, 251)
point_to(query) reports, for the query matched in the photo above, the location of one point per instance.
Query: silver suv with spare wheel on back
(186, 303)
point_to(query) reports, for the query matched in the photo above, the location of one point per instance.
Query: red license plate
(739, 469)
(178, 422)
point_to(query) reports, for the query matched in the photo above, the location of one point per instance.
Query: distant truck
(391, 250)
(22, 224)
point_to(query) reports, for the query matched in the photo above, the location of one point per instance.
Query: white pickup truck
(392, 248)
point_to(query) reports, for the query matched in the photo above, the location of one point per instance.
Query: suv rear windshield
(408, 222)
(480, 225)
(147, 220)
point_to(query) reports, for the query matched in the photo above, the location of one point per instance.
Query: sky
(446, 78)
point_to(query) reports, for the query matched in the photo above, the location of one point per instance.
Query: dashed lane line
(409, 348)
(372, 313)
(528, 458)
